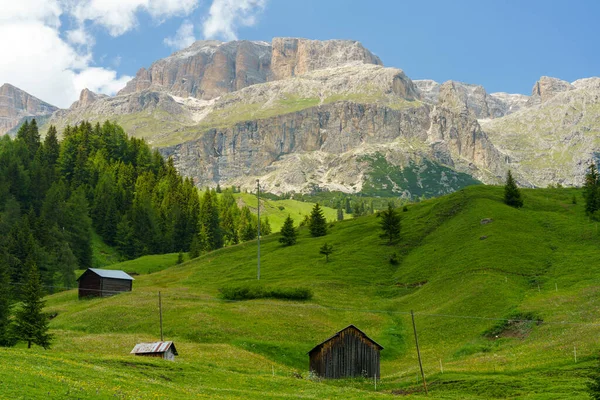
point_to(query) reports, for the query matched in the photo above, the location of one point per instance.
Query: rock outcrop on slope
(473, 97)
(326, 146)
(86, 98)
(210, 68)
(546, 88)
(553, 140)
(17, 105)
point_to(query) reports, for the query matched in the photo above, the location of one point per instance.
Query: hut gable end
(348, 353)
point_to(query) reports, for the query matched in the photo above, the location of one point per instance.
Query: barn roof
(156, 347)
(338, 333)
(109, 273)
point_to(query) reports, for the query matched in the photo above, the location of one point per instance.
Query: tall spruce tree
(317, 224)
(209, 219)
(288, 232)
(31, 323)
(390, 224)
(591, 190)
(512, 194)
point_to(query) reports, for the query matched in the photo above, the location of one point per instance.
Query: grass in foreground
(459, 276)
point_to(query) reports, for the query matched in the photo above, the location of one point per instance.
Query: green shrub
(249, 292)
(518, 324)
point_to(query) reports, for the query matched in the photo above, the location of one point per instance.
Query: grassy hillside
(463, 277)
(278, 210)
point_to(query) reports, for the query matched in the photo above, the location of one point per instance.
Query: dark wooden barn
(347, 354)
(164, 350)
(103, 283)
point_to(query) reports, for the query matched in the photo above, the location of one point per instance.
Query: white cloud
(56, 65)
(225, 16)
(46, 11)
(183, 38)
(120, 16)
(99, 80)
(55, 68)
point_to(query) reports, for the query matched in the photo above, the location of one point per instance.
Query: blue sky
(502, 45)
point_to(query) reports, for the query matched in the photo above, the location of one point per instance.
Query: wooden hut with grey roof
(164, 350)
(347, 354)
(96, 282)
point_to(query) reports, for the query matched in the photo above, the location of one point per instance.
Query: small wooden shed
(164, 350)
(96, 282)
(347, 354)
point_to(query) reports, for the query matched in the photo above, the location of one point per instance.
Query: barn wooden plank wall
(348, 354)
(111, 286)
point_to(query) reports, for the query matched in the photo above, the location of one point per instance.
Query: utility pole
(258, 226)
(412, 314)
(160, 312)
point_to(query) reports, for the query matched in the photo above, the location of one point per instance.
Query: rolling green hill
(278, 210)
(503, 298)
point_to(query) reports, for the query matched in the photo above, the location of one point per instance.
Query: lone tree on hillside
(288, 232)
(591, 190)
(512, 195)
(326, 249)
(317, 224)
(390, 224)
(31, 324)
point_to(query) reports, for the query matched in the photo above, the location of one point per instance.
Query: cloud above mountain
(47, 46)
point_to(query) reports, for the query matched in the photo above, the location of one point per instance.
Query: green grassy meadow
(278, 210)
(463, 279)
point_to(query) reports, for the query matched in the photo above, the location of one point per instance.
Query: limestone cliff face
(332, 138)
(209, 68)
(15, 105)
(552, 140)
(293, 56)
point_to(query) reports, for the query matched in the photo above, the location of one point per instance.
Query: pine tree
(591, 190)
(317, 224)
(326, 249)
(340, 214)
(512, 195)
(209, 219)
(31, 324)
(265, 227)
(195, 248)
(348, 206)
(288, 232)
(390, 224)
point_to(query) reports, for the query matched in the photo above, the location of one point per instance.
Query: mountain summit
(17, 105)
(305, 115)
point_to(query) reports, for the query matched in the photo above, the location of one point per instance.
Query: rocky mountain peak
(16, 104)
(457, 95)
(86, 97)
(293, 56)
(209, 68)
(546, 88)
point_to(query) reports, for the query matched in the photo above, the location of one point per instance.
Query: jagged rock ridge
(210, 68)
(16, 105)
